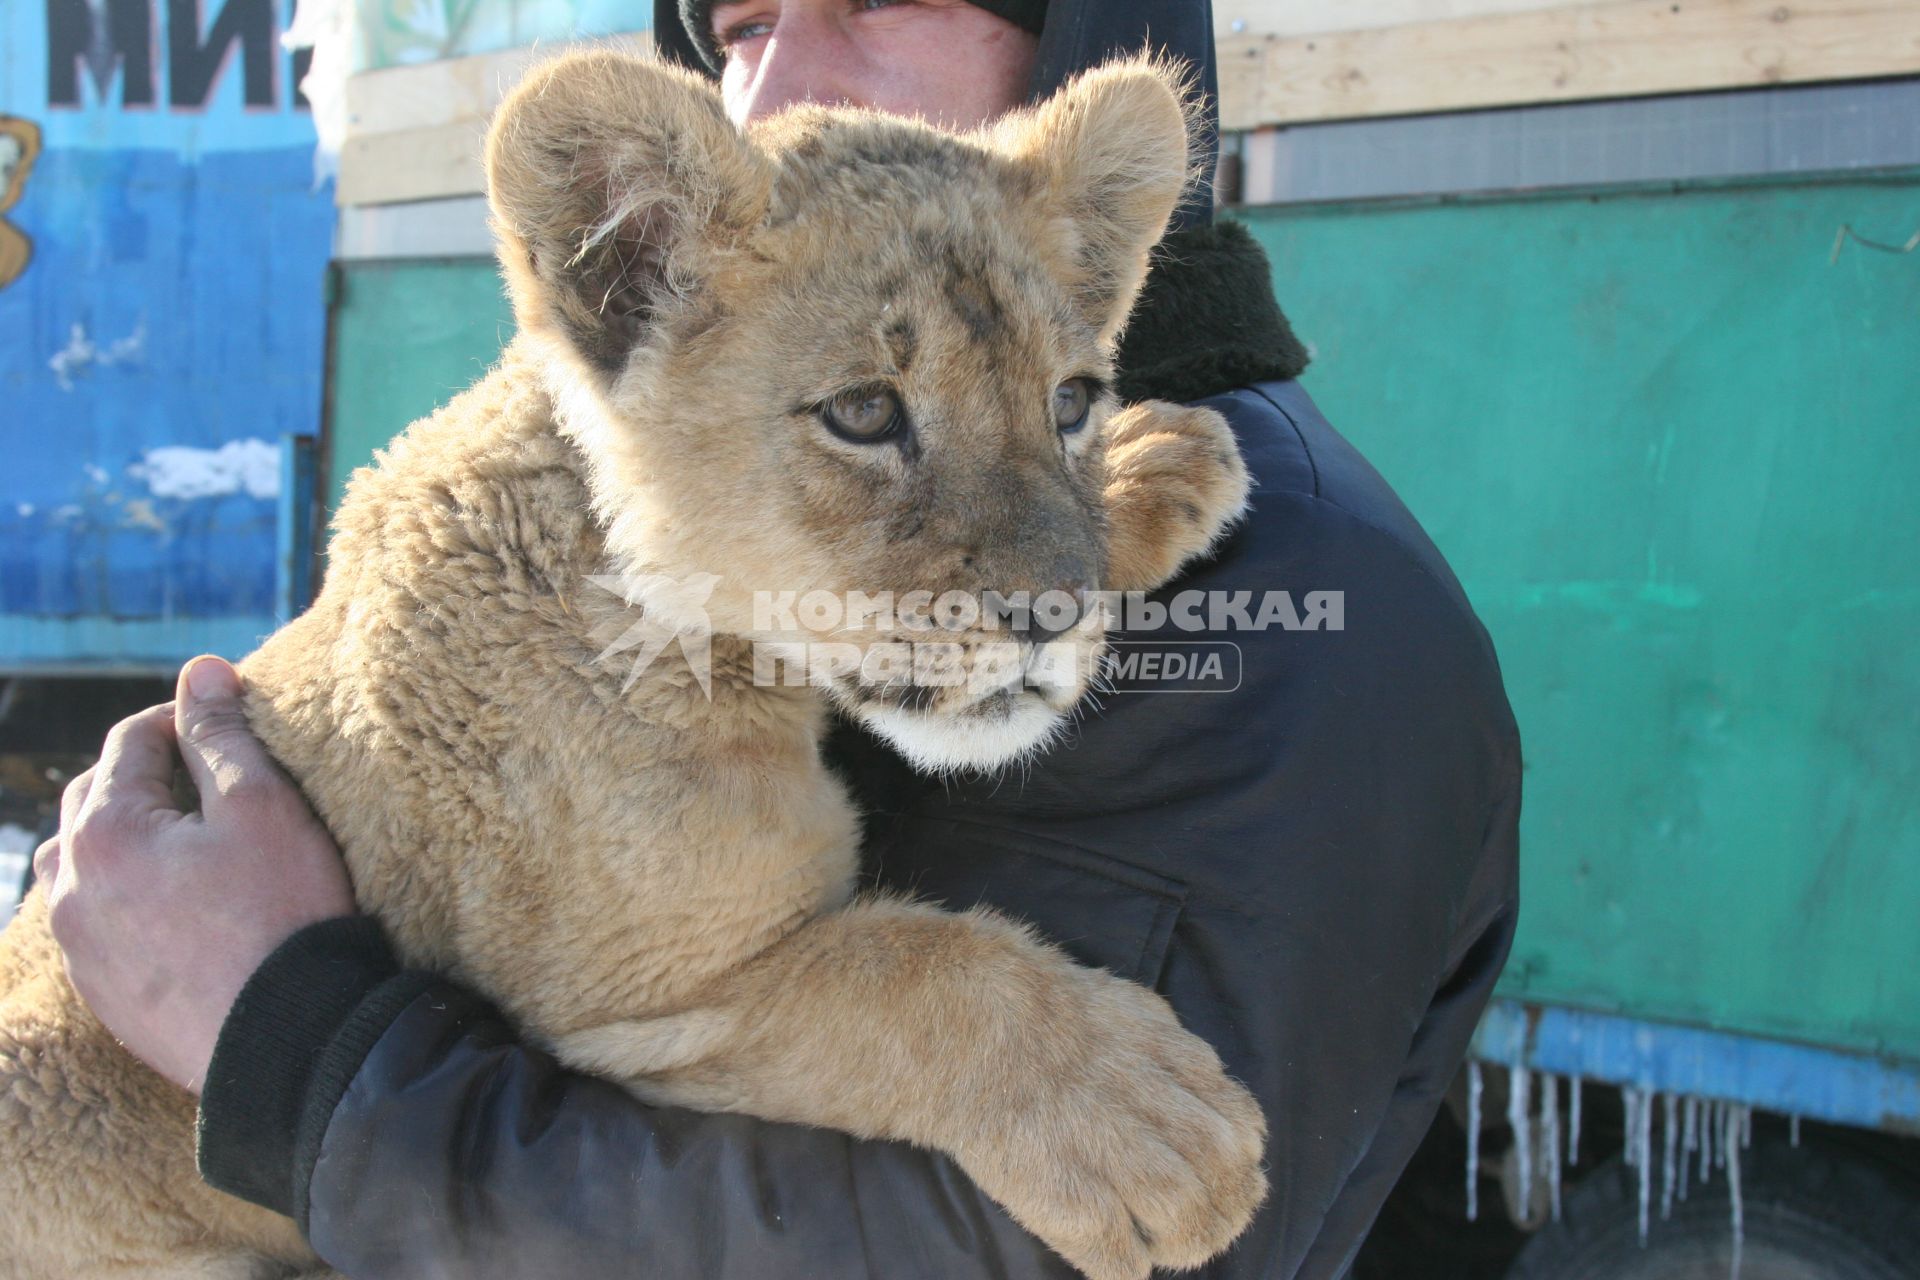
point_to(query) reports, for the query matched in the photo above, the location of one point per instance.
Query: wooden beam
(1616, 49)
(411, 164)
(1312, 17)
(414, 133)
(431, 93)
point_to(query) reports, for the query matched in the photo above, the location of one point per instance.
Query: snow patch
(82, 353)
(330, 29)
(16, 854)
(185, 473)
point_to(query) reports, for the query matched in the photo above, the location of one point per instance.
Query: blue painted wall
(172, 302)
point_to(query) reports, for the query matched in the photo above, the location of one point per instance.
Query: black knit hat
(1074, 35)
(696, 17)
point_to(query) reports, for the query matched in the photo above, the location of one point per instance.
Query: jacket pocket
(1100, 911)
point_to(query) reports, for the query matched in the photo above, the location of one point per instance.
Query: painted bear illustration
(19, 146)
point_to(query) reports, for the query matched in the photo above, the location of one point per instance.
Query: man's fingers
(135, 773)
(73, 799)
(46, 865)
(216, 742)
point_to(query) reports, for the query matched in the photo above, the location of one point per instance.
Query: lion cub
(836, 353)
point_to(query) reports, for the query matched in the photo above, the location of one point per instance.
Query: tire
(1812, 1213)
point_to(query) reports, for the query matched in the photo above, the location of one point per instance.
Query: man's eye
(742, 31)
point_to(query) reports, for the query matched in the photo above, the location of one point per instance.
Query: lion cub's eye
(867, 416)
(1071, 400)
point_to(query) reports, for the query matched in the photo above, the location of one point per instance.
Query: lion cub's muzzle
(976, 697)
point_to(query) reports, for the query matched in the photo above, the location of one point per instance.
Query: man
(1316, 868)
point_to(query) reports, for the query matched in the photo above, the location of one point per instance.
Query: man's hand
(164, 915)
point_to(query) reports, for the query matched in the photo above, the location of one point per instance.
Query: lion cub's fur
(653, 877)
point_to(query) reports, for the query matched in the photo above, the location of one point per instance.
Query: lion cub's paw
(1146, 1155)
(1175, 483)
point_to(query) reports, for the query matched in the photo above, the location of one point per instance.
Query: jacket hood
(1206, 319)
(1079, 34)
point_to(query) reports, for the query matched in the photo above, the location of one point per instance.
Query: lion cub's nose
(1054, 611)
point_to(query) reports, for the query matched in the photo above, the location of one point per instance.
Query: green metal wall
(1674, 454)
(405, 336)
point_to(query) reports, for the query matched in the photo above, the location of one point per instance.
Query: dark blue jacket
(1316, 868)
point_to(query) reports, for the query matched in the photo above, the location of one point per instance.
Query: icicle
(1746, 1126)
(1475, 1085)
(1670, 1146)
(1628, 1154)
(1709, 1112)
(1689, 1136)
(1573, 1121)
(1793, 1131)
(1550, 1141)
(1643, 1144)
(1738, 1120)
(1519, 1089)
(1722, 1117)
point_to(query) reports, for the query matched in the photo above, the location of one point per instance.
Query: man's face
(944, 60)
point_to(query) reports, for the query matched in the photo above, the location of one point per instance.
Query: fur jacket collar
(1206, 321)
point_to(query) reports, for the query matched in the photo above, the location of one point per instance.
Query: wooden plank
(414, 133)
(434, 93)
(437, 93)
(452, 228)
(1311, 17)
(411, 164)
(1617, 49)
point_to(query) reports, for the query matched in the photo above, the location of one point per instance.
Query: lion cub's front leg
(1072, 1097)
(1175, 482)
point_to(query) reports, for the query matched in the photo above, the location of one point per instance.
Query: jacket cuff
(291, 1044)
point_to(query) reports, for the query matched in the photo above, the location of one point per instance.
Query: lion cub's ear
(613, 180)
(1113, 146)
